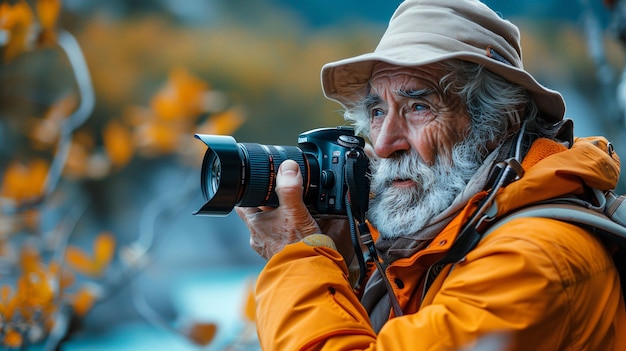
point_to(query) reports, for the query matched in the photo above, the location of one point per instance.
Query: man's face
(414, 127)
(408, 111)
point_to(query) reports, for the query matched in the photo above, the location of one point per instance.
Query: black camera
(244, 174)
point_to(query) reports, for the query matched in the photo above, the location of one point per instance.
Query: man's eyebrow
(371, 100)
(415, 93)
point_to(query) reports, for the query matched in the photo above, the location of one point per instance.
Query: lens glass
(216, 174)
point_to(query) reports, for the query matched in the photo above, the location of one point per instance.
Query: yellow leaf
(83, 301)
(7, 303)
(78, 259)
(12, 339)
(181, 97)
(103, 251)
(48, 12)
(202, 333)
(17, 20)
(118, 143)
(24, 181)
(35, 292)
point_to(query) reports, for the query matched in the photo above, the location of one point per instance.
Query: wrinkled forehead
(406, 77)
(387, 70)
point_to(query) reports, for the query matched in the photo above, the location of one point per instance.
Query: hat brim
(346, 81)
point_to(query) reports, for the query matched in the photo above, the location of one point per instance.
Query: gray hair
(496, 106)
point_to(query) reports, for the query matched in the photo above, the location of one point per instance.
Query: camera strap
(357, 202)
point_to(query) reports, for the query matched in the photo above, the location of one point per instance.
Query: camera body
(331, 148)
(244, 174)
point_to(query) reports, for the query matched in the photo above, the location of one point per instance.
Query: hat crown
(446, 26)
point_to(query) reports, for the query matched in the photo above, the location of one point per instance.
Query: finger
(289, 184)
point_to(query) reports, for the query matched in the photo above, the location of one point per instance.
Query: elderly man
(444, 100)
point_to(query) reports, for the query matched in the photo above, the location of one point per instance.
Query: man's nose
(392, 136)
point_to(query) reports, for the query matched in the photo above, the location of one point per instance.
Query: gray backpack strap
(616, 207)
(596, 221)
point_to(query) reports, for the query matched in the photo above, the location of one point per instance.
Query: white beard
(404, 211)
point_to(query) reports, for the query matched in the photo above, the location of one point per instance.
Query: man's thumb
(289, 183)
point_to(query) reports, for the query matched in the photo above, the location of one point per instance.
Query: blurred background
(99, 170)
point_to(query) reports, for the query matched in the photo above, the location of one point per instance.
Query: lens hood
(221, 174)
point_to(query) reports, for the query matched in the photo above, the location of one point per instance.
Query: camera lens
(244, 174)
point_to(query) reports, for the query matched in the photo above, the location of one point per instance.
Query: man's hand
(273, 228)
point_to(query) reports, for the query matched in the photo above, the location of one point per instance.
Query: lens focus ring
(257, 175)
(260, 175)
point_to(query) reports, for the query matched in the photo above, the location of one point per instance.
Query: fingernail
(289, 168)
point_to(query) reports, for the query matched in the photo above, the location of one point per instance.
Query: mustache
(407, 165)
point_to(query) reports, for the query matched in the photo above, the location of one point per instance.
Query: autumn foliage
(52, 273)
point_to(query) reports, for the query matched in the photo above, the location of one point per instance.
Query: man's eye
(377, 112)
(420, 107)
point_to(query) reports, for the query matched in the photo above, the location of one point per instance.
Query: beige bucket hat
(421, 32)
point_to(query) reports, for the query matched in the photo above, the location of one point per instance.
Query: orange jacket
(532, 284)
